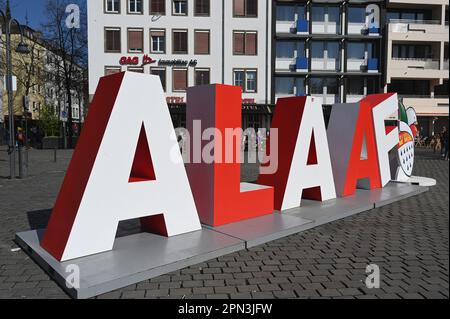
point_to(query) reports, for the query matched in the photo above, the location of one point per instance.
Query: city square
(229, 149)
(408, 240)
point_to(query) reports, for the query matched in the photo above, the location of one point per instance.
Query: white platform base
(143, 256)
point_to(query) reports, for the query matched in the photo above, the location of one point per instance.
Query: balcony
(361, 29)
(417, 30)
(353, 98)
(362, 65)
(295, 27)
(426, 105)
(409, 2)
(416, 63)
(327, 99)
(319, 27)
(299, 64)
(445, 66)
(330, 64)
(296, 91)
(357, 28)
(415, 68)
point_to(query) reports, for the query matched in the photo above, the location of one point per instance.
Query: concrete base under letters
(143, 256)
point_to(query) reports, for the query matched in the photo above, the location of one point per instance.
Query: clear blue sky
(35, 10)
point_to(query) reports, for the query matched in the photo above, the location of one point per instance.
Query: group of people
(439, 143)
(34, 137)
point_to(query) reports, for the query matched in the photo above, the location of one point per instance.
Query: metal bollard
(54, 154)
(23, 162)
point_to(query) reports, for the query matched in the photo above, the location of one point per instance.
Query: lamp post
(22, 48)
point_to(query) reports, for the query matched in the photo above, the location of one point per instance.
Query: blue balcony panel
(302, 26)
(372, 64)
(301, 63)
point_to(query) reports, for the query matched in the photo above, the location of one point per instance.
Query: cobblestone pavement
(408, 240)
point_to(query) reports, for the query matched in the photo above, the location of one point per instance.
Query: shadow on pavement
(38, 219)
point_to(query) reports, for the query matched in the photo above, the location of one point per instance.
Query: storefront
(256, 116)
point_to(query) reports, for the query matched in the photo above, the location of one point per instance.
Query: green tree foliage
(49, 121)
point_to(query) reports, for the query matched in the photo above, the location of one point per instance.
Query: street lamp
(22, 48)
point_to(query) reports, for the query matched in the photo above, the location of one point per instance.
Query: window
(135, 69)
(322, 86)
(201, 42)
(326, 19)
(286, 49)
(410, 87)
(356, 15)
(355, 86)
(135, 40)
(334, 14)
(411, 15)
(244, 43)
(158, 41)
(392, 16)
(158, 7)
(180, 7)
(112, 40)
(180, 42)
(318, 13)
(356, 50)
(180, 80)
(161, 72)
(317, 50)
(202, 8)
(245, 8)
(246, 79)
(412, 51)
(112, 6)
(287, 12)
(202, 76)
(239, 79)
(135, 6)
(109, 70)
(290, 86)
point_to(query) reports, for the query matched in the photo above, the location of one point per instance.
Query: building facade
(336, 50)
(328, 49)
(34, 85)
(186, 43)
(417, 37)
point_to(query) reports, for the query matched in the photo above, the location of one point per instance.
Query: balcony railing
(418, 63)
(414, 21)
(291, 64)
(418, 96)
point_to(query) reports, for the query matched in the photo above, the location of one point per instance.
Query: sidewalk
(408, 240)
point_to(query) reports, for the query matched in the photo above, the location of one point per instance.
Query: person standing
(20, 137)
(444, 138)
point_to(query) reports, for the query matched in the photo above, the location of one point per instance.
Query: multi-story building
(55, 92)
(417, 37)
(28, 76)
(33, 78)
(328, 49)
(186, 43)
(335, 50)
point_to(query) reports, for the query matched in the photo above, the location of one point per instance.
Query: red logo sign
(128, 60)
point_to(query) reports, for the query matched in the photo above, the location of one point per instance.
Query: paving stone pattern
(408, 240)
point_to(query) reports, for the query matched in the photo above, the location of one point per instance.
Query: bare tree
(70, 46)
